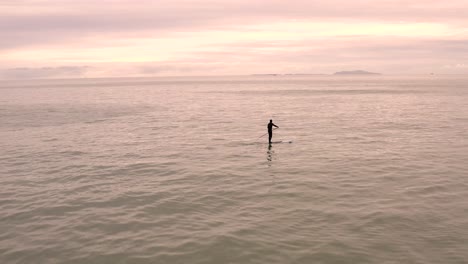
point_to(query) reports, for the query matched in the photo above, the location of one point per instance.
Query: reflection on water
(269, 155)
(272, 175)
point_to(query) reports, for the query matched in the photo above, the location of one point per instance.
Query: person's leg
(269, 137)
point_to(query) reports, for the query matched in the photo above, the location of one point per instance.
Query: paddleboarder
(270, 130)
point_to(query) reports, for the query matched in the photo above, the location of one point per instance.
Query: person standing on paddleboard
(270, 130)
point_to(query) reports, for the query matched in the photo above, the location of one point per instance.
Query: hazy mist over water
(370, 169)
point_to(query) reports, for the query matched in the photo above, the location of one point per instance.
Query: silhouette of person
(270, 130)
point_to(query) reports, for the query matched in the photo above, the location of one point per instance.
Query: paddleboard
(281, 141)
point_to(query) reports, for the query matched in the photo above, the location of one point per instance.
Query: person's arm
(276, 126)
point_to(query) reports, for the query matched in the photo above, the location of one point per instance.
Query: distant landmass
(286, 74)
(357, 72)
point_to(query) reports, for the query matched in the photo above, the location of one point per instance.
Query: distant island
(287, 74)
(358, 72)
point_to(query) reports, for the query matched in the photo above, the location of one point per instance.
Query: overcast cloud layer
(56, 39)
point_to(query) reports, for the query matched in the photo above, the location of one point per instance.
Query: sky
(125, 38)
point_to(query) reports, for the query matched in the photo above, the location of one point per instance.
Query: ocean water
(369, 169)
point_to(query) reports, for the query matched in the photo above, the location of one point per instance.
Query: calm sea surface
(174, 170)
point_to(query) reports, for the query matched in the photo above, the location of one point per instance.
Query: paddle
(266, 133)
